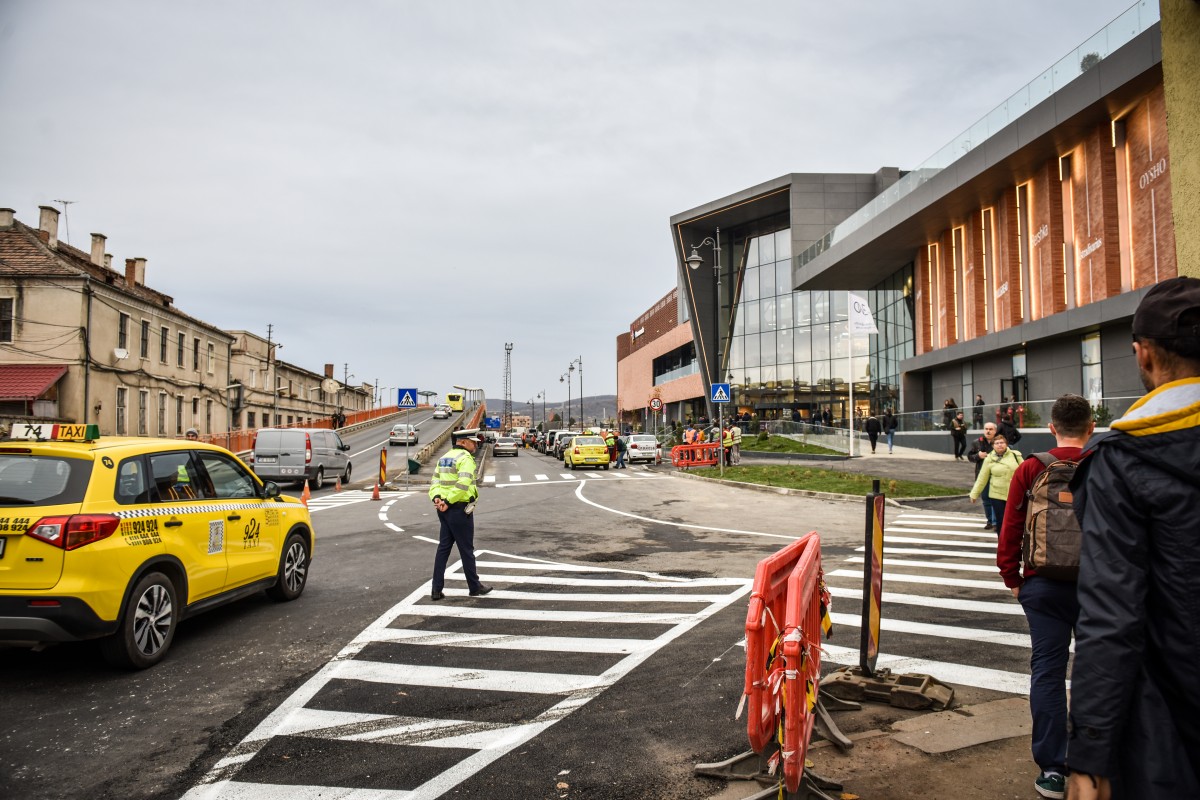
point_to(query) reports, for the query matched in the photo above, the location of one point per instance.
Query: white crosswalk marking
(349, 497)
(921, 628)
(541, 477)
(548, 653)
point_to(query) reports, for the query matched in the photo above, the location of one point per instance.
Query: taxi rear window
(42, 480)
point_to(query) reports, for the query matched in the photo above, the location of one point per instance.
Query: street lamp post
(567, 377)
(694, 261)
(579, 361)
(542, 396)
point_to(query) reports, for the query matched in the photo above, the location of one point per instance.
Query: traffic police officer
(453, 494)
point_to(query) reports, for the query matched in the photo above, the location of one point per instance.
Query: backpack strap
(1045, 458)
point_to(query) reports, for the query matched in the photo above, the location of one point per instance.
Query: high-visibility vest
(689, 436)
(727, 438)
(736, 432)
(454, 477)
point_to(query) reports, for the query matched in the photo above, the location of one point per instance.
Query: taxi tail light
(75, 531)
(307, 449)
(576, 451)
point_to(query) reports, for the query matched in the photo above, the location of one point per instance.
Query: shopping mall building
(1008, 265)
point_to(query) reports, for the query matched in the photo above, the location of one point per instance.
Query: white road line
(533, 579)
(936, 565)
(947, 672)
(941, 631)
(497, 641)
(493, 680)
(568, 597)
(243, 790)
(566, 476)
(395, 528)
(489, 478)
(598, 617)
(946, 542)
(921, 551)
(979, 606)
(933, 580)
(541, 477)
(939, 519)
(985, 535)
(579, 494)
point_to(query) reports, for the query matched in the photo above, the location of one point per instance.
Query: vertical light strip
(989, 283)
(931, 256)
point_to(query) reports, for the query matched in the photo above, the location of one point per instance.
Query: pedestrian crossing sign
(719, 393)
(407, 398)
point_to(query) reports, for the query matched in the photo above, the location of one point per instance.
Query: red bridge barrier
(695, 455)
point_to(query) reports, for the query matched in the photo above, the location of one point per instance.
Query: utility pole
(506, 422)
(271, 360)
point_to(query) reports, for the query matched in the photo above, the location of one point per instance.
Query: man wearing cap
(453, 493)
(192, 434)
(1135, 688)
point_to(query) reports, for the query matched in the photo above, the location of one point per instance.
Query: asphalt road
(604, 665)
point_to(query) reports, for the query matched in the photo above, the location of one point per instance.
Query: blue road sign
(406, 398)
(719, 393)
(491, 423)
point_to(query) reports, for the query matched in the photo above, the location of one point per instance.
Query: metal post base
(752, 766)
(911, 690)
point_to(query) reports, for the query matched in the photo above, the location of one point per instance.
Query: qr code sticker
(216, 536)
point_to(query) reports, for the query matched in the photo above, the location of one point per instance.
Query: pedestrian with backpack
(995, 474)
(1135, 688)
(1038, 558)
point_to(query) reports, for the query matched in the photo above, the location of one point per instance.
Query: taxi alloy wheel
(147, 626)
(293, 569)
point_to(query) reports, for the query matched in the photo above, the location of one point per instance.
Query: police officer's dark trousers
(458, 528)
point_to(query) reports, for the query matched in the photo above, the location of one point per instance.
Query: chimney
(108, 260)
(6, 219)
(130, 271)
(98, 241)
(329, 370)
(139, 274)
(49, 226)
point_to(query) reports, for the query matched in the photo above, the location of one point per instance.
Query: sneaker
(1051, 784)
(436, 595)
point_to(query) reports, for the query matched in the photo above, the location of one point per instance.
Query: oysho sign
(1156, 171)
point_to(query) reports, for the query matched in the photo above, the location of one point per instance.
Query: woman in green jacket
(998, 469)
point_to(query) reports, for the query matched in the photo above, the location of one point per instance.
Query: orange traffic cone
(375, 494)
(306, 495)
(337, 483)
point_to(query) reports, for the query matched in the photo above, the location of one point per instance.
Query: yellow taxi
(120, 538)
(586, 451)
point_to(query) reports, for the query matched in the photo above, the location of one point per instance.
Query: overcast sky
(405, 186)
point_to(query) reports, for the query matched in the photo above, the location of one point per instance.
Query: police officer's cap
(467, 433)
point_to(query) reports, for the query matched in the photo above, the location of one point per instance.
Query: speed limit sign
(656, 404)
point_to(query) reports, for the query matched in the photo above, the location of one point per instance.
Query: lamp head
(694, 260)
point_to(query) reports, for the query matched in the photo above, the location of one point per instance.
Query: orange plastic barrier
(765, 619)
(807, 607)
(695, 455)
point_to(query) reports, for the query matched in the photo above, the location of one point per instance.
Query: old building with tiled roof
(83, 342)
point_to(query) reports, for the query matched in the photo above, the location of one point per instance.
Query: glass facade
(792, 351)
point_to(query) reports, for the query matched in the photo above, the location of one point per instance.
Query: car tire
(346, 476)
(606, 466)
(293, 569)
(147, 625)
(318, 479)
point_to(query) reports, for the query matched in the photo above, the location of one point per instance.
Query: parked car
(561, 440)
(553, 445)
(118, 539)
(490, 436)
(506, 446)
(402, 434)
(642, 447)
(585, 451)
(299, 455)
(441, 412)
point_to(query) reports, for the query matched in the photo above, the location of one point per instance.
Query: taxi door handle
(174, 523)
(234, 517)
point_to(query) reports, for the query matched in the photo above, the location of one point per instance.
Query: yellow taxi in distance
(586, 451)
(121, 538)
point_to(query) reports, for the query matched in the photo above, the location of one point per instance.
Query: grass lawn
(781, 444)
(826, 480)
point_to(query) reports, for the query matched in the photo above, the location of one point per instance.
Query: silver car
(402, 434)
(643, 447)
(506, 446)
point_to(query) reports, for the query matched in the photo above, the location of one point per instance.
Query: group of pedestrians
(886, 425)
(728, 435)
(1097, 539)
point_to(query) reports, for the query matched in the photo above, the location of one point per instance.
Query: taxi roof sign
(49, 431)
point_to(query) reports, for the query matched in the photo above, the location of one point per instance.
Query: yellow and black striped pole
(868, 649)
(382, 467)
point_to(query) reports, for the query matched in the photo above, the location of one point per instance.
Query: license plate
(266, 460)
(590, 460)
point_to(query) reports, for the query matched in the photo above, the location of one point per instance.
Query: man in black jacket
(1135, 691)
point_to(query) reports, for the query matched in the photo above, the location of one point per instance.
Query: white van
(300, 454)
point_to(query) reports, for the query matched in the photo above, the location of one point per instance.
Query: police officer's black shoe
(436, 596)
(480, 590)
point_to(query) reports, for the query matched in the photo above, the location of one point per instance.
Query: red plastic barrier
(695, 455)
(765, 619)
(807, 597)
